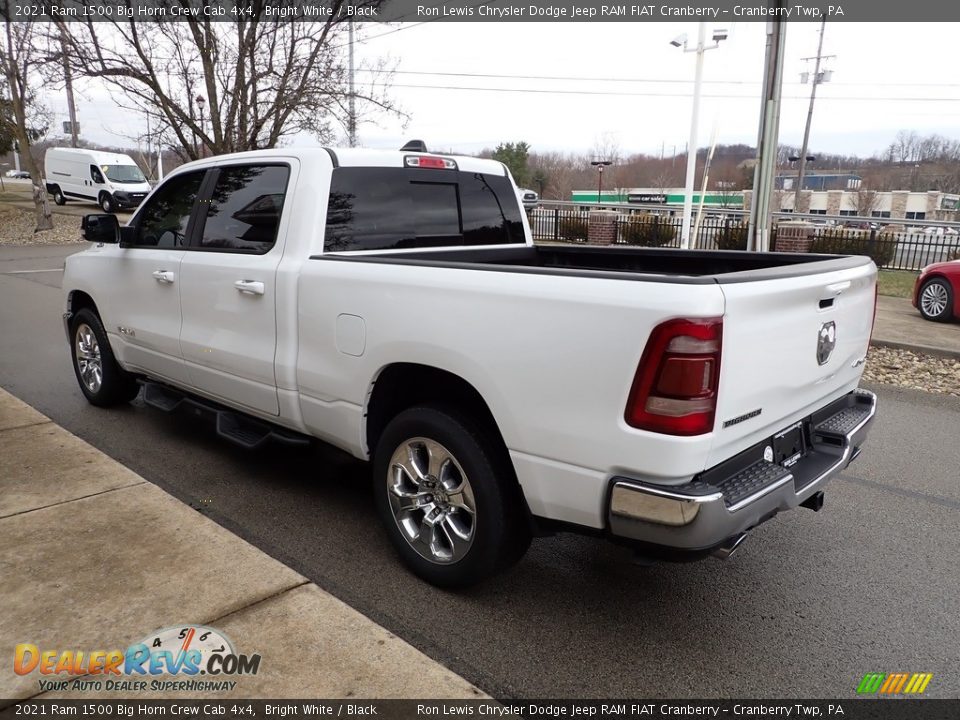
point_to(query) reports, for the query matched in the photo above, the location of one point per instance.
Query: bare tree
(865, 200)
(247, 82)
(561, 171)
(19, 61)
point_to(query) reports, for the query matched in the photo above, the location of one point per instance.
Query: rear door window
(386, 208)
(243, 212)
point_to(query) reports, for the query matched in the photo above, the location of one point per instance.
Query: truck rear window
(386, 208)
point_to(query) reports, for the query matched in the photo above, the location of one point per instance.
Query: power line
(647, 80)
(612, 93)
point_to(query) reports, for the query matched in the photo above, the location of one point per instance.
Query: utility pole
(351, 107)
(818, 77)
(758, 229)
(718, 35)
(68, 82)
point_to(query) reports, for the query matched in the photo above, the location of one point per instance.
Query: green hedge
(572, 228)
(652, 231)
(732, 237)
(840, 242)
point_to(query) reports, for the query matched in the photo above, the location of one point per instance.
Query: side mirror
(100, 228)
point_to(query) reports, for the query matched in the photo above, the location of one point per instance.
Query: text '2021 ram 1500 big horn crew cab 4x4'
(394, 305)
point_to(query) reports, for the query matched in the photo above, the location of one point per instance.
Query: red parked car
(936, 293)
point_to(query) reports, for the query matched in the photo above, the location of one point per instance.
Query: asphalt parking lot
(810, 604)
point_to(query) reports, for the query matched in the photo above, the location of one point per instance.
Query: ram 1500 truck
(394, 305)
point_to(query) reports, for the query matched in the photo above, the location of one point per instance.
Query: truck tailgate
(790, 346)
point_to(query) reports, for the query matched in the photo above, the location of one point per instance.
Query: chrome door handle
(251, 287)
(164, 276)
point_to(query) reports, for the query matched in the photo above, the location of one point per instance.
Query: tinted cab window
(243, 213)
(383, 208)
(163, 220)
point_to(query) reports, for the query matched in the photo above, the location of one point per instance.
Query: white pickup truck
(393, 304)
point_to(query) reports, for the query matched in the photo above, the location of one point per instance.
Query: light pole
(700, 49)
(818, 77)
(600, 165)
(201, 102)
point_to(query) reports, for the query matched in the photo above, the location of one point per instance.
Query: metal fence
(893, 247)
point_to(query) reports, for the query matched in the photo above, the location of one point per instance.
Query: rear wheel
(936, 300)
(103, 382)
(451, 507)
(58, 196)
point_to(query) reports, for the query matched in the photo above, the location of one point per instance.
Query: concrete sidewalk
(899, 325)
(93, 557)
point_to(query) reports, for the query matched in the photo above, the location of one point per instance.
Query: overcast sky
(625, 81)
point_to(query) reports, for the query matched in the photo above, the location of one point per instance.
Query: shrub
(647, 231)
(834, 241)
(573, 228)
(732, 237)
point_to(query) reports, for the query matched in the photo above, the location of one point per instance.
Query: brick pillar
(794, 236)
(805, 197)
(602, 228)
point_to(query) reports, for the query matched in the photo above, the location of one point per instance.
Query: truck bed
(626, 263)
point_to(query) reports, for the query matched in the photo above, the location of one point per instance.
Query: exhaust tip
(729, 547)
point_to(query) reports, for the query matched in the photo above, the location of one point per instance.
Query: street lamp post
(700, 49)
(600, 165)
(201, 102)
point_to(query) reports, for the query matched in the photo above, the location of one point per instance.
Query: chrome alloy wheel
(431, 500)
(87, 352)
(934, 299)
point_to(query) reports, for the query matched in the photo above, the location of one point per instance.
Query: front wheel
(936, 300)
(103, 382)
(107, 203)
(450, 504)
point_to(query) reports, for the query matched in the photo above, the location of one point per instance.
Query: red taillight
(876, 291)
(675, 389)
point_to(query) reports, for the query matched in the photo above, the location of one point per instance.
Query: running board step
(251, 434)
(239, 429)
(161, 398)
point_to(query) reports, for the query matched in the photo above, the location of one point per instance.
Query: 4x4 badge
(826, 341)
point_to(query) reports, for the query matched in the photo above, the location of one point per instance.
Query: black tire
(499, 531)
(116, 386)
(107, 203)
(58, 197)
(935, 300)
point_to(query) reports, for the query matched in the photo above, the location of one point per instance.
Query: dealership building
(892, 205)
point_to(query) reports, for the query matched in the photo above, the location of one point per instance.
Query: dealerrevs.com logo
(171, 659)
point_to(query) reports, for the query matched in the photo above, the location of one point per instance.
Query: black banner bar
(886, 709)
(720, 11)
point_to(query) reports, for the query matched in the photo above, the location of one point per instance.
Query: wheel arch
(78, 300)
(403, 385)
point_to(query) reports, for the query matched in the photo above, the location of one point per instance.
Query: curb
(132, 550)
(920, 349)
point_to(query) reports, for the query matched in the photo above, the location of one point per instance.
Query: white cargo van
(111, 180)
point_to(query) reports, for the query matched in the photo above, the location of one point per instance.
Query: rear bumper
(739, 494)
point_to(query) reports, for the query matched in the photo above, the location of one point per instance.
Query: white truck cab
(111, 180)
